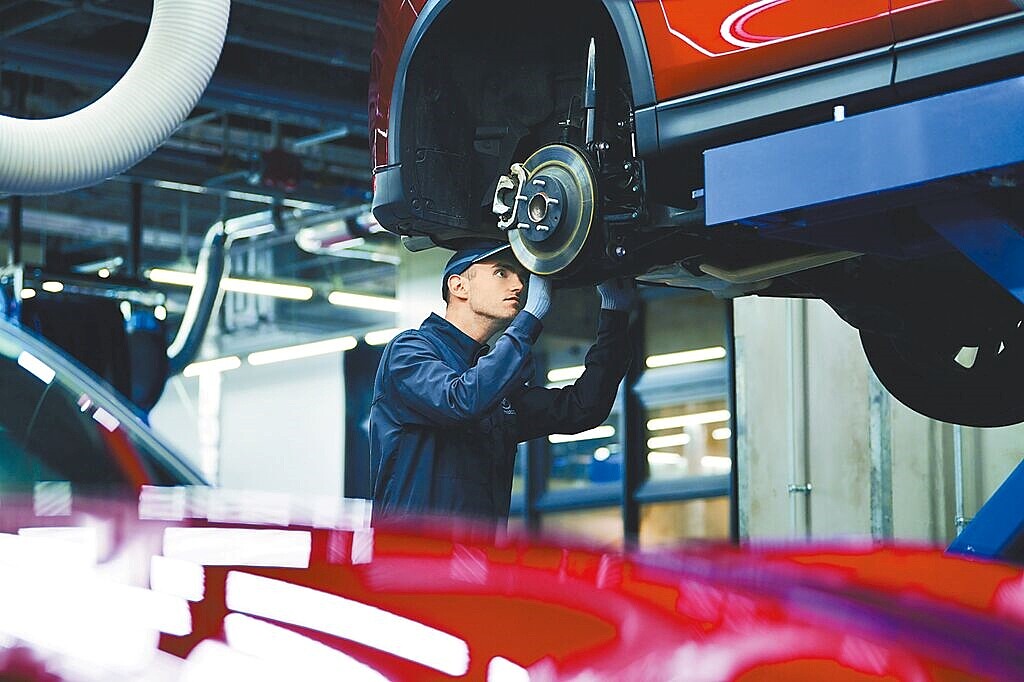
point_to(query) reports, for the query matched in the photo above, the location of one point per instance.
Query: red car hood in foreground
(197, 584)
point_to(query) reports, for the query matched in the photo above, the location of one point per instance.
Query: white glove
(538, 296)
(618, 293)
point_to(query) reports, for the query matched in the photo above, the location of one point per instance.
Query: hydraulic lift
(943, 155)
(939, 152)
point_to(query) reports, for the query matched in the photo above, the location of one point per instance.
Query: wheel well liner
(623, 16)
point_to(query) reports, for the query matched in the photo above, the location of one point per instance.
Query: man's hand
(538, 296)
(618, 293)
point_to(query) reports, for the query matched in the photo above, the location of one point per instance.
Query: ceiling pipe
(207, 293)
(132, 119)
(242, 97)
(212, 267)
(259, 42)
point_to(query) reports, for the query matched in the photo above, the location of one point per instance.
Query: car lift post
(941, 154)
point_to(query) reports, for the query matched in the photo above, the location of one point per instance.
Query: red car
(577, 130)
(198, 584)
(117, 563)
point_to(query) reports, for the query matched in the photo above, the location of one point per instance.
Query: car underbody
(534, 136)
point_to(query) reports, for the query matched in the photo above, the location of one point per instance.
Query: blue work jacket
(448, 412)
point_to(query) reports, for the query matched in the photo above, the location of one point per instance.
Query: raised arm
(438, 394)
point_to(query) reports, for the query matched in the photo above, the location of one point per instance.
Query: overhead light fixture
(380, 337)
(670, 458)
(27, 293)
(686, 357)
(242, 196)
(683, 420)
(103, 267)
(672, 441)
(304, 350)
(53, 287)
(213, 366)
(176, 277)
(347, 300)
(724, 433)
(180, 187)
(295, 292)
(602, 454)
(160, 313)
(605, 431)
(565, 374)
(712, 462)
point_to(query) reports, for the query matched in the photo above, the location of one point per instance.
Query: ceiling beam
(237, 96)
(236, 35)
(335, 14)
(108, 231)
(35, 22)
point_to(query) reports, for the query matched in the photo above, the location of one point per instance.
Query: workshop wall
(276, 428)
(811, 412)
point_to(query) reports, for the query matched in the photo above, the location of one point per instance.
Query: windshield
(59, 424)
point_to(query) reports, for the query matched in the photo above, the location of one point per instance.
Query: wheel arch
(621, 13)
(455, 45)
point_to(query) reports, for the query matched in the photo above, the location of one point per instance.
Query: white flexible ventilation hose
(131, 120)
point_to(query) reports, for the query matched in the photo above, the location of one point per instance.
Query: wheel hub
(547, 206)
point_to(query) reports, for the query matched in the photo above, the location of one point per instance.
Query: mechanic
(448, 412)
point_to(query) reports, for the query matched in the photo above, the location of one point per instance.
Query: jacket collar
(464, 345)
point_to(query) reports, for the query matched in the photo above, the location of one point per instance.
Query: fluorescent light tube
(670, 458)
(294, 292)
(686, 357)
(682, 420)
(305, 350)
(380, 337)
(218, 365)
(565, 374)
(605, 431)
(672, 441)
(363, 301)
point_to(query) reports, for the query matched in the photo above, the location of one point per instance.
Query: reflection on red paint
(436, 600)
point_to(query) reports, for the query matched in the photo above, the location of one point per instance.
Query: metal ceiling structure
(282, 125)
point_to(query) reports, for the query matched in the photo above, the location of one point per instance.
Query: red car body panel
(694, 47)
(697, 47)
(395, 19)
(371, 598)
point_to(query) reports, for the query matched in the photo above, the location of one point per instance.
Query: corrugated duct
(132, 119)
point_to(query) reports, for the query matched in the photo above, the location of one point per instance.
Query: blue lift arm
(997, 530)
(938, 153)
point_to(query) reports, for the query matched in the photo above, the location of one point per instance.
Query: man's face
(496, 287)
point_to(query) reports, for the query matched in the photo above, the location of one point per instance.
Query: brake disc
(550, 219)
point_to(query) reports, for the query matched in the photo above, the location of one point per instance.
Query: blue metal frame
(938, 154)
(900, 147)
(998, 524)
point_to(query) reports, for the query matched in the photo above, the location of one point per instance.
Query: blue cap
(464, 257)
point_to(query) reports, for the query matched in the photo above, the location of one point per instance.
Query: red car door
(701, 46)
